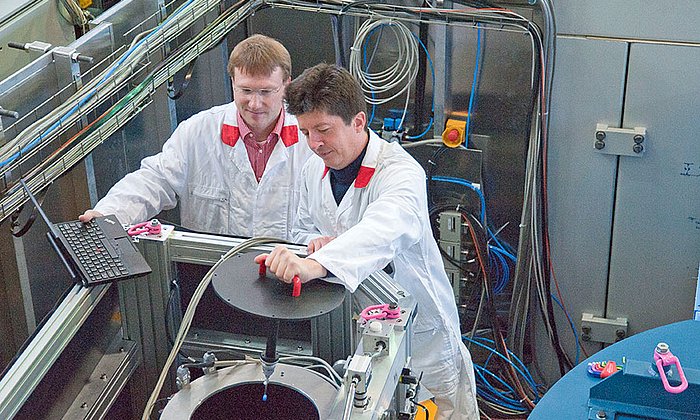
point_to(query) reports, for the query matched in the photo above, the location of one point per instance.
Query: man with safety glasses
(235, 168)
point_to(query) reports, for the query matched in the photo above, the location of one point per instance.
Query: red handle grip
(296, 281)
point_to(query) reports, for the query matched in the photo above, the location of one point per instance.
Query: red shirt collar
(244, 130)
(288, 133)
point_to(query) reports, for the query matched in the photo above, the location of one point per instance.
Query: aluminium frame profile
(32, 364)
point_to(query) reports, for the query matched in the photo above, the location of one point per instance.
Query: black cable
(164, 399)
(337, 21)
(176, 94)
(421, 77)
(480, 244)
(336, 28)
(170, 314)
(433, 214)
(565, 363)
(18, 231)
(425, 410)
(432, 164)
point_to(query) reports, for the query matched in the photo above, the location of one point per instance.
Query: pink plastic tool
(151, 227)
(664, 357)
(385, 311)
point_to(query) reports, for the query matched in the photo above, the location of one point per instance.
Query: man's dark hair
(326, 88)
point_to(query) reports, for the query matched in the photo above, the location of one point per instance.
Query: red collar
(363, 176)
(288, 133)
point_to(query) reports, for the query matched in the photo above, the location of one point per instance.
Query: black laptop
(96, 252)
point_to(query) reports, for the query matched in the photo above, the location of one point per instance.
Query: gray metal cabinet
(625, 230)
(587, 89)
(656, 240)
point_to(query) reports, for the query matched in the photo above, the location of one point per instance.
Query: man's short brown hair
(260, 55)
(326, 88)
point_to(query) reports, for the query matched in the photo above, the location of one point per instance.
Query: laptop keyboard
(88, 242)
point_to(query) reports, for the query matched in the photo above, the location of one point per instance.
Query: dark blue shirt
(342, 179)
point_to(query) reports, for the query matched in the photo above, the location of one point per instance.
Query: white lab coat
(205, 165)
(383, 217)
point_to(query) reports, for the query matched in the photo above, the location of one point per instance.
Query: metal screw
(620, 334)
(247, 341)
(638, 138)
(662, 348)
(585, 337)
(299, 348)
(586, 329)
(637, 148)
(400, 293)
(601, 415)
(599, 144)
(103, 376)
(600, 135)
(83, 405)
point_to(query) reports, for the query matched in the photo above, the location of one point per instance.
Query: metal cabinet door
(587, 88)
(656, 231)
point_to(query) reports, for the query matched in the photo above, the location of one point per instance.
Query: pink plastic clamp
(151, 227)
(385, 311)
(664, 357)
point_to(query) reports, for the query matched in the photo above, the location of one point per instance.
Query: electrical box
(451, 243)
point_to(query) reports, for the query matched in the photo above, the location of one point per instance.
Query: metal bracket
(9, 114)
(620, 141)
(38, 46)
(67, 64)
(603, 330)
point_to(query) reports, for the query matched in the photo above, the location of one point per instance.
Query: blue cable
(432, 70)
(364, 61)
(483, 370)
(432, 105)
(503, 271)
(91, 93)
(490, 341)
(472, 94)
(500, 251)
(494, 395)
(494, 264)
(506, 251)
(527, 377)
(573, 328)
(463, 182)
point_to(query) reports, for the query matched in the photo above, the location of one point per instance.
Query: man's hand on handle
(285, 265)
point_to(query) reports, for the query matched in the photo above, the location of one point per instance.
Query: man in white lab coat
(235, 168)
(363, 204)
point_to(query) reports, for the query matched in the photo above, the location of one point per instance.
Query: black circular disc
(237, 281)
